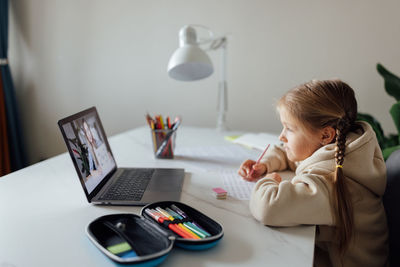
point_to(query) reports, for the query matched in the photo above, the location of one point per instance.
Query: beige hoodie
(305, 199)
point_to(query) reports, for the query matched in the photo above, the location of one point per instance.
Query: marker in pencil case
(161, 218)
(184, 229)
(192, 228)
(180, 225)
(197, 230)
(184, 215)
(189, 225)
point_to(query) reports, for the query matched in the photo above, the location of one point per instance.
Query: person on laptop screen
(93, 144)
(90, 151)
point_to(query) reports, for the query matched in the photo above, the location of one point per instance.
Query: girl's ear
(327, 135)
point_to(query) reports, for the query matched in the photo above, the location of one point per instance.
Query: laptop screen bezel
(72, 118)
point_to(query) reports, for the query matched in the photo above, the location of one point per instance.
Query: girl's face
(299, 142)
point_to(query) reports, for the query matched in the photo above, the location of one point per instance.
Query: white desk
(44, 213)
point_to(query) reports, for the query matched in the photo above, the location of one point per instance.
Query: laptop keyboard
(130, 185)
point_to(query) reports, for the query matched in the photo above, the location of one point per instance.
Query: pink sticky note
(219, 190)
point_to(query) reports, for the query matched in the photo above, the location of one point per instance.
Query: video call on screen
(89, 150)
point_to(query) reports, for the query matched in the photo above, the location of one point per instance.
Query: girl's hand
(258, 170)
(274, 176)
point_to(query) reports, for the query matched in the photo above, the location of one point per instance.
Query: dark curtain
(12, 151)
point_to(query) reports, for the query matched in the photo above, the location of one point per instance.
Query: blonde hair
(318, 104)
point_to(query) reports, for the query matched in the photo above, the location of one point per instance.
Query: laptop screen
(88, 146)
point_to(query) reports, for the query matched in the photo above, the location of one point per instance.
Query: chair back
(391, 202)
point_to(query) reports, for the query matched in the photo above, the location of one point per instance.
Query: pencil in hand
(258, 161)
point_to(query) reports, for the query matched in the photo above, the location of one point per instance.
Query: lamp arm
(222, 104)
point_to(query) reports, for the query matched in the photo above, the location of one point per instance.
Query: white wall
(70, 55)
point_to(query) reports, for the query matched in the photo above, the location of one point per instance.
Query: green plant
(391, 142)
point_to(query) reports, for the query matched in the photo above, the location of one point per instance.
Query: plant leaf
(392, 82)
(395, 112)
(387, 151)
(391, 140)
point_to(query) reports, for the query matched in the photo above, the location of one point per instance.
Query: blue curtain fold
(14, 131)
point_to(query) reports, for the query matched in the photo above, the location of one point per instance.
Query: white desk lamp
(189, 63)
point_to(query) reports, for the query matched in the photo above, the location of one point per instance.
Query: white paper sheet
(235, 185)
(225, 160)
(214, 158)
(258, 140)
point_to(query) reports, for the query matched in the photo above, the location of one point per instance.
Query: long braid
(344, 219)
(340, 142)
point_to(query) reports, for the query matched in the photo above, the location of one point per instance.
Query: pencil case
(132, 239)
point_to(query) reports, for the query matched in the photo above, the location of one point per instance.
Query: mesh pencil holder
(163, 143)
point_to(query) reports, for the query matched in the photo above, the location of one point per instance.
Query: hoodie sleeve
(303, 200)
(276, 160)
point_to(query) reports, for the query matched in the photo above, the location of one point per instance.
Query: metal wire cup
(163, 143)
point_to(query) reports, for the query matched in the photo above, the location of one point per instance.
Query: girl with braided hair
(340, 176)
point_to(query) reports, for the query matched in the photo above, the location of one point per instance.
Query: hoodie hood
(363, 160)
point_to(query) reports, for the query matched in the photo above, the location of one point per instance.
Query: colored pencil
(258, 161)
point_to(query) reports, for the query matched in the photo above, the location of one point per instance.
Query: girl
(340, 176)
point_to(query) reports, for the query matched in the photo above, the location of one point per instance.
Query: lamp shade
(189, 62)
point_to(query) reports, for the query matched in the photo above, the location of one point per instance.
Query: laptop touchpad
(166, 180)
